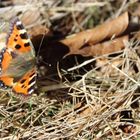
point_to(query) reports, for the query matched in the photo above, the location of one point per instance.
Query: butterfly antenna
(41, 42)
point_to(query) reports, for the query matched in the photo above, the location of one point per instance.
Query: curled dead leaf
(106, 47)
(92, 36)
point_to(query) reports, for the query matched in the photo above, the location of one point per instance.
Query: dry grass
(99, 104)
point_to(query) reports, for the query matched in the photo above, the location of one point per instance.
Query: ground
(87, 58)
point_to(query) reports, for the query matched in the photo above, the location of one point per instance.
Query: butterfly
(17, 61)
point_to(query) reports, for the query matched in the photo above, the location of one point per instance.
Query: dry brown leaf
(106, 47)
(92, 36)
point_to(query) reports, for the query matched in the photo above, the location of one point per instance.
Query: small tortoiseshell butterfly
(17, 61)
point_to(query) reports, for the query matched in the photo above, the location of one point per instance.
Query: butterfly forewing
(18, 39)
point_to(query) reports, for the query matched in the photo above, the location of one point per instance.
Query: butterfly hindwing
(26, 85)
(6, 82)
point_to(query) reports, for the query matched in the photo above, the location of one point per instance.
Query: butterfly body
(17, 61)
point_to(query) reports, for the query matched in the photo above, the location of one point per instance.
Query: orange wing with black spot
(26, 85)
(18, 38)
(17, 61)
